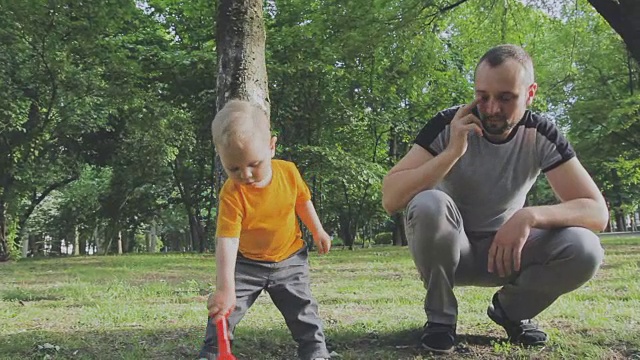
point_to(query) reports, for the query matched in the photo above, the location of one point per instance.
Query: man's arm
(419, 170)
(581, 204)
(415, 172)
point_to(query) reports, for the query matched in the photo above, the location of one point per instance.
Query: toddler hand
(221, 303)
(322, 241)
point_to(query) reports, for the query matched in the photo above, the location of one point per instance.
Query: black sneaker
(523, 332)
(438, 338)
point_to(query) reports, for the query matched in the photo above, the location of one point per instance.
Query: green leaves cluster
(105, 110)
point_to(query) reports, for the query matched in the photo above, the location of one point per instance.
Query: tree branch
(610, 11)
(622, 15)
(37, 199)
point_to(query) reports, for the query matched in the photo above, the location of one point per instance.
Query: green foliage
(13, 240)
(106, 110)
(383, 238)
(541, 193)
(336, 241)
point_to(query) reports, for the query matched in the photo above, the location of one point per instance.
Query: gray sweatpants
(553, 262)
(287, 282)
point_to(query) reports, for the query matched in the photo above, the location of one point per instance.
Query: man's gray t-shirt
(489, 183)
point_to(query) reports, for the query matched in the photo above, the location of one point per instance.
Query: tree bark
(4, 243)
(620, 223)
(348, 236)
(399, 230)
(24, 239)
(119, 242)
(242, 69)
(38, 245)
(154, 237)
(96, 241)
(623, 16)
(190, 202)
(56, 246)
(76, 241)
(82, 242)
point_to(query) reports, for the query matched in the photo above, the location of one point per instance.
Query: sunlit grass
(153, 307)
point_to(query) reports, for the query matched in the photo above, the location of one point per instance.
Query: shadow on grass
(184, 343)
(23, 295)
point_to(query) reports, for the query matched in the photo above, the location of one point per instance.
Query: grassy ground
(153, 307)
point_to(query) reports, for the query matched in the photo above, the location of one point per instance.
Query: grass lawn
(153, 307)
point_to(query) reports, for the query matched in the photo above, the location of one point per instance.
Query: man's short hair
(499, 54)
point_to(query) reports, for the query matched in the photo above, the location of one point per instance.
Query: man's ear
(531, 93)
(272, 145)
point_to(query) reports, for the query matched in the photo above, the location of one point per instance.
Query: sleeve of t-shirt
(230, 213)
(552, 147)
(434, 136)
(302, 190)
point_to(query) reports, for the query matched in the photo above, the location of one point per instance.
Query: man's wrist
(529, 216)
(451, 153)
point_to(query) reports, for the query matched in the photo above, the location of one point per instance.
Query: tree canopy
(105, 110)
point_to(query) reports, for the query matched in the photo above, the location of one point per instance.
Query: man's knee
(431, 221)
(428, 205)
(585, 250)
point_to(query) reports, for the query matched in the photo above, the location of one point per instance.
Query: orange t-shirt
(264, 218)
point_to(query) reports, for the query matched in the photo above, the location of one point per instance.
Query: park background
(105, 149)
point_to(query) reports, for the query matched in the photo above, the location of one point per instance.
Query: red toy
(224, 347)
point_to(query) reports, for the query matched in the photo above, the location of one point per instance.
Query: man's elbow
(602, 219)
(387, 204)
(599, 218)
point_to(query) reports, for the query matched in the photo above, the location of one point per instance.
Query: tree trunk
(96, 241)
(119, 242)
(348, 236)
(154, 237)
(56, 246)
(197, 234)
(82, 243)
(111, 233)
(33, 245)
(40, 245)
(240, 40)
(191, 207)
(399, 230)
(623, 17)
(24, 239)
(242, 70)
(187, 242)
(4, 243)
(130, 241)
(620, 220)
